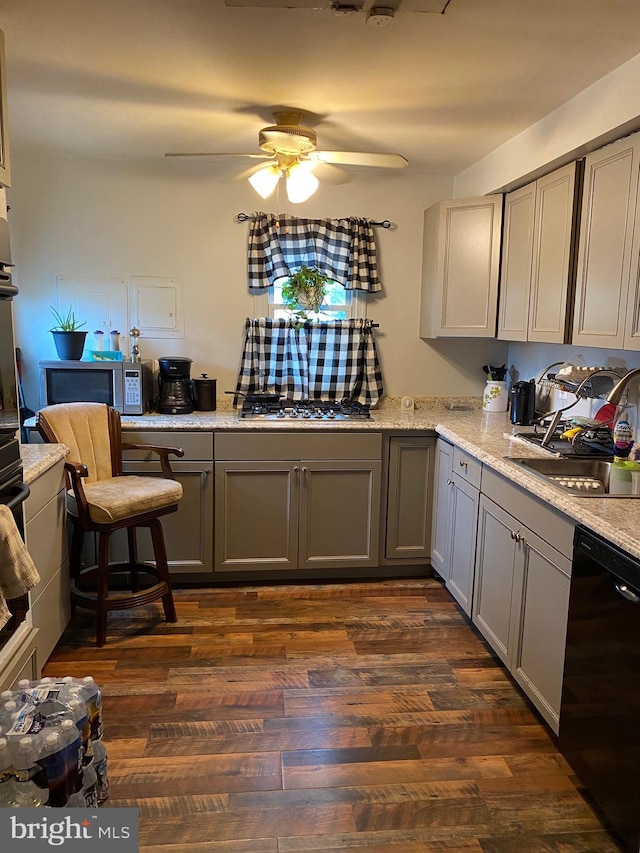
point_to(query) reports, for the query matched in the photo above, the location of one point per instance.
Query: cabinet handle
(207, 471)
(517, 536)
(304, 470)
(463, 464)
(449, 482)
(296, 469)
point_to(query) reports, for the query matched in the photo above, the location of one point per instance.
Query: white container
(495, 397)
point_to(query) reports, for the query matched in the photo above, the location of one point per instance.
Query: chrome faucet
(615, 395)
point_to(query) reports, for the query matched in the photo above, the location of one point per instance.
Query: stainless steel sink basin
(583, 478)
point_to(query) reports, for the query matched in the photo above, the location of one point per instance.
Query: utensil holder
(495, 398)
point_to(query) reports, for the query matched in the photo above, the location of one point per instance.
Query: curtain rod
(244, 217)
(371, 325)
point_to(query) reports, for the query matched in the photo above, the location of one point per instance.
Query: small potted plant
(304, 292)
(67, 337)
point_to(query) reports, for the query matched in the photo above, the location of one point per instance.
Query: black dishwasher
(600, 715)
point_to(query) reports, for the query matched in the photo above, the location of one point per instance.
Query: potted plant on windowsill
(303, 293)
(67, 337)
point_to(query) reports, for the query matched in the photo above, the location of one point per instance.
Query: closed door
(517, 259)
(441, 527)
(464, 524)
(338, 515)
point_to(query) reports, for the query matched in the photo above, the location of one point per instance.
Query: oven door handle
(626, 592)
(21, 495)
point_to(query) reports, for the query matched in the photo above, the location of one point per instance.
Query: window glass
(339, 304)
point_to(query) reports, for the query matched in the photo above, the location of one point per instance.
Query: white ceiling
(136, 78)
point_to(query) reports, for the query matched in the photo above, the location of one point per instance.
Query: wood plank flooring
(323, 718)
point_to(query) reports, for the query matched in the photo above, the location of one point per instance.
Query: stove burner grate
(267, 407)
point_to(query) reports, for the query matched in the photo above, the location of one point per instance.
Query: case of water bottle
(51, 748)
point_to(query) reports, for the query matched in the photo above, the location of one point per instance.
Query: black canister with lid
(204, 394)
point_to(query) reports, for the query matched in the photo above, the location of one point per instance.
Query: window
(340, 304)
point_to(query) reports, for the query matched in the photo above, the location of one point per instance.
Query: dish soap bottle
(620, 480)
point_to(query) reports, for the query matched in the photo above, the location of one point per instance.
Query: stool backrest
(90, 431)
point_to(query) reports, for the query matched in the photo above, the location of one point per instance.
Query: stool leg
(103, 588)
(160, 553)
(77, 543)
(133, 559)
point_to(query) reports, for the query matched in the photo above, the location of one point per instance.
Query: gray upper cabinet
(461, 258)
(606, 306)
(537, 258)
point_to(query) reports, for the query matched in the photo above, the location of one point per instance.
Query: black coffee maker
(175, 391)
(523, 402)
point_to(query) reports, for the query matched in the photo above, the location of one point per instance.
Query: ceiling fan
(289, 151)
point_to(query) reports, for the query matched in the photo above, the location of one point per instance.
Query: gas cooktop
(285, 409)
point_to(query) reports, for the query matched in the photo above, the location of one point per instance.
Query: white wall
(176, 218)
(606, 110)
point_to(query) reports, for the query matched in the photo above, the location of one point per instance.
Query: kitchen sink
(582, 478)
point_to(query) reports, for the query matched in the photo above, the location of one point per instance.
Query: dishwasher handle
(627, 592)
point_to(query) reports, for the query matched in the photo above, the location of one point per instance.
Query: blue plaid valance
(344, 249)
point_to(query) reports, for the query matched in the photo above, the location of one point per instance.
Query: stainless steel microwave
(125, 385)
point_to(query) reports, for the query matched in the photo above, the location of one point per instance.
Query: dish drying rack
(583, 382)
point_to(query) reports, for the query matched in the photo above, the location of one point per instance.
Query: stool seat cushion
(116, 498)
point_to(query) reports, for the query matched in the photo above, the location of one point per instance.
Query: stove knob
(306, 413)
(294, 413)
(281, 413)
(318, 414)
(331, 414)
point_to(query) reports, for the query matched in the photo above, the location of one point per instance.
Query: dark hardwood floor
(322, 718)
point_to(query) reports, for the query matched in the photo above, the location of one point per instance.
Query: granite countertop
(489, 436)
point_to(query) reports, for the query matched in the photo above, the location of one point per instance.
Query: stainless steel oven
(13, 490)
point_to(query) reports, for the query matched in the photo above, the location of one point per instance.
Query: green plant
(303, 293)
(65, 323)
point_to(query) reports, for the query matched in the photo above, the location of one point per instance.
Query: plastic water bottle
(92, 697)
(7, 794)
(54, 763)
(29, 793)
(101, 764)
(73, 746)
(83, 724)
(90, 786)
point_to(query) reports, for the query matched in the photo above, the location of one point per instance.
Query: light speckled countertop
(486, 435)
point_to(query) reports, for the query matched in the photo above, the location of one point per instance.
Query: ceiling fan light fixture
(265, 180)
(301, 182)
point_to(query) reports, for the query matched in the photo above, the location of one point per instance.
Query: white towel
(18, 573)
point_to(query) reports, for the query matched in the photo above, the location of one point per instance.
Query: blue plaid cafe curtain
(333, 360)
(344, 249)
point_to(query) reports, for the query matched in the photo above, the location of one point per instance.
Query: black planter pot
(69, 345)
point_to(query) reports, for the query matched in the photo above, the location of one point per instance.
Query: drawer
(196, 445)
(43, 488)
(298, 445)
(46, 539)
(467, 467)
(51, 612)
(546, 521)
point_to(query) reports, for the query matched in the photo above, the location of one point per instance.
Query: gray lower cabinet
(188, 533)
(409, 498)
(296, 501)
(46, 540)
(455, 516)
(521, 591)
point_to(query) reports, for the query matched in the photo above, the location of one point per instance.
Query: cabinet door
(187, 532)
(517, 259)
(606, 260)
(460, 272)
(256, 523)
(339, 514)
(410, 487)
(498, 550)
(464, 525)
(552, 269)
(442, 494)
(541, 612)
(5, 171)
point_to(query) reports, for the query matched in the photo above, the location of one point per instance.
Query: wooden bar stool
(102, 499)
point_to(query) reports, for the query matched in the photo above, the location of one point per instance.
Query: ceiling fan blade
(330, 174)
(217, 154)
(360, 158)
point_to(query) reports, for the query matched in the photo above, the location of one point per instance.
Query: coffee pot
(175, 389)
(523, 402)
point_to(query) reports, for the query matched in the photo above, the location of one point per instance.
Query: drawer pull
(463, 464)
